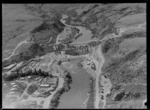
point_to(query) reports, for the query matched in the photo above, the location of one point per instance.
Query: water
(79, 88)
(86, 34)
(77, 95)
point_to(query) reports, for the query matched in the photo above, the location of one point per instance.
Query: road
(99, 61)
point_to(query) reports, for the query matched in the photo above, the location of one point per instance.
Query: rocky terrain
(40, 40)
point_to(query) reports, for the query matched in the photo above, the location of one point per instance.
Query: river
(77, 95)
(86, 33)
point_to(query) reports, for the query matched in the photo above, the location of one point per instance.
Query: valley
(79, 57)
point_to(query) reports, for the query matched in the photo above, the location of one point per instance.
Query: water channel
(77, 95)
(79, 87)
(86, 34)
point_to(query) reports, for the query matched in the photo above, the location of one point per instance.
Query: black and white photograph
(74, 56)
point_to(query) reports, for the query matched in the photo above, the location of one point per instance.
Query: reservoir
(86, 33)
(77, 95)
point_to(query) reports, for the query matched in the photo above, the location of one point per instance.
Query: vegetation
(91, 99)
(31, 89)
(43, 25)
(110, 47)
(66, 87)
(119, 96)
(55, 100)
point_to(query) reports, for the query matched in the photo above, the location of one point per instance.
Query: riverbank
(77, 95)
